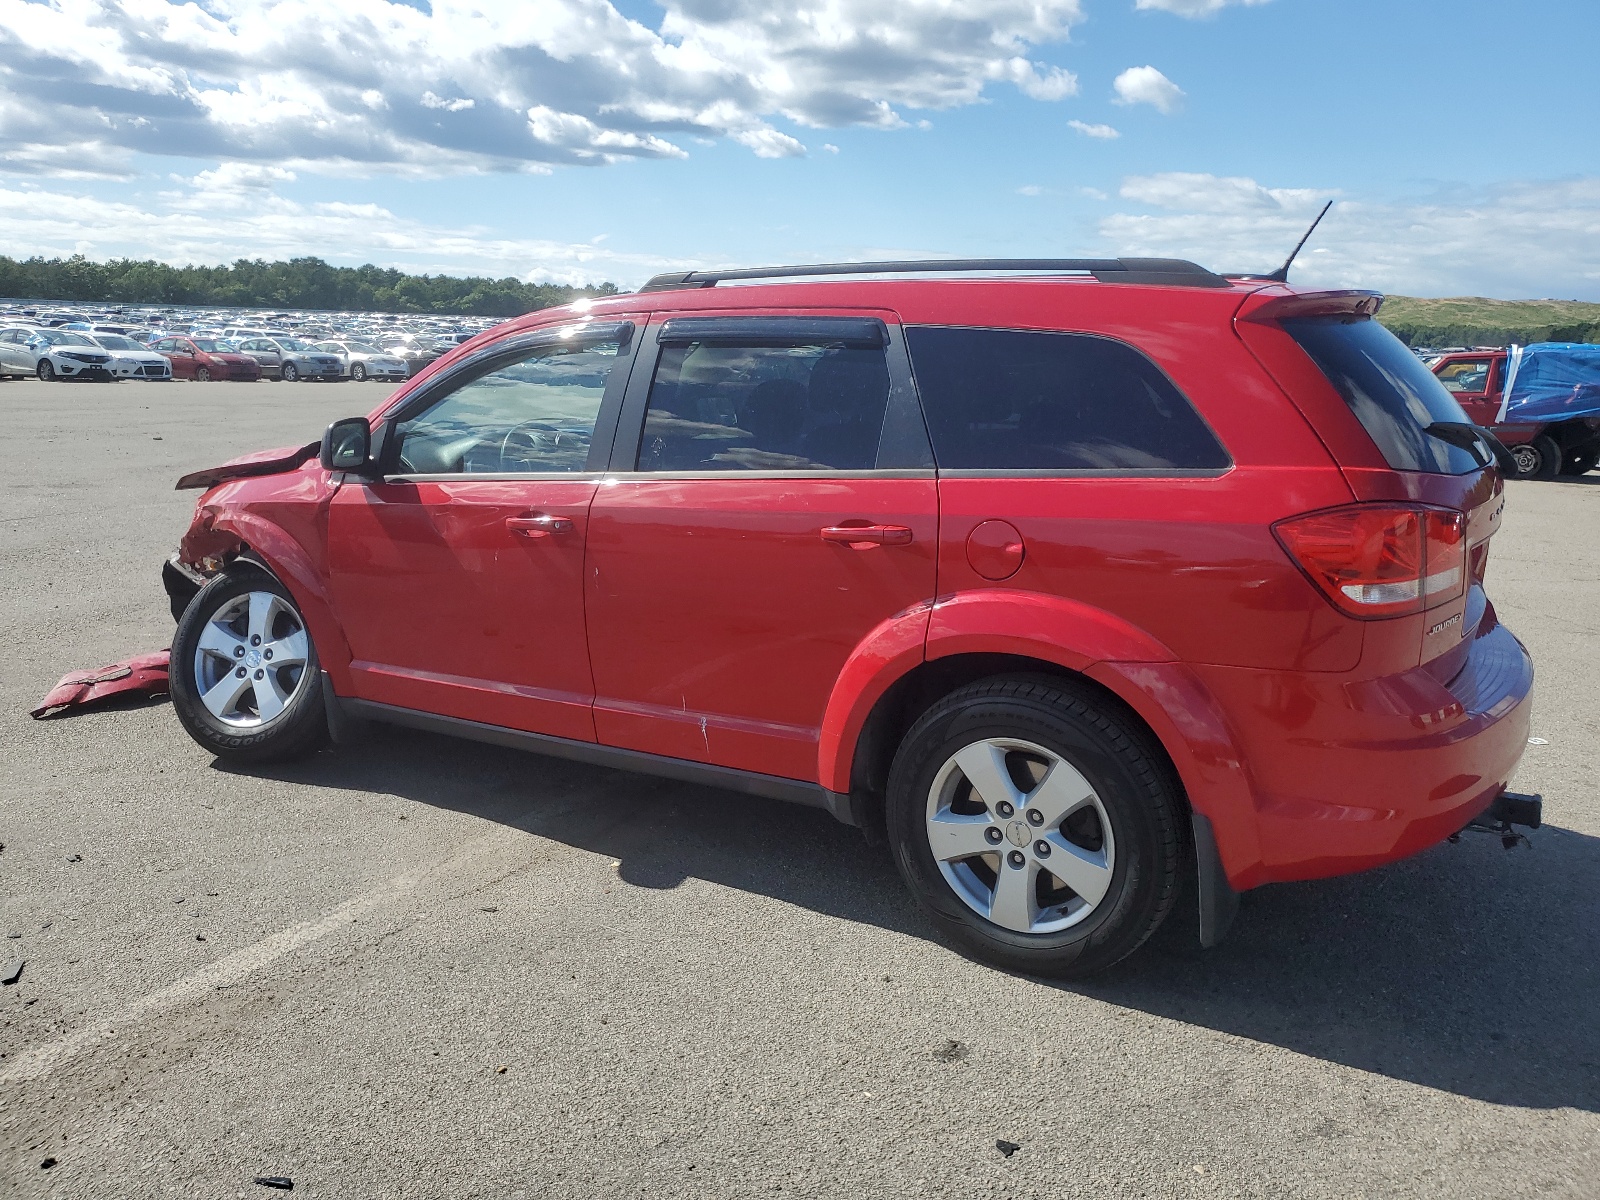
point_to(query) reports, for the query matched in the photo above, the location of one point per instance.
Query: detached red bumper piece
(145, 675)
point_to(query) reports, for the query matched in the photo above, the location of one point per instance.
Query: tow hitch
(1507, 810)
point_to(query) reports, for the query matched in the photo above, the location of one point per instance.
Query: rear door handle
(539, 526)
(873, 535)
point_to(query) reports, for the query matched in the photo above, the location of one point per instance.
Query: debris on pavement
(281, 1182)
(47, 1164)
(74, 858)
(145, 675)
(13, 973)
(1007, 1148)
(951, 1051)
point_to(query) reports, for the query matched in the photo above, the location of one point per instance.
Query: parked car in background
(365, 361)
(417, 352)
(17, 358)
(131, 359)
(203, 359)
(1554, 443)
(290, 359)
(61, 354)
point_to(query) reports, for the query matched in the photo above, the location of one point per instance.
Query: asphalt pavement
(426, 968)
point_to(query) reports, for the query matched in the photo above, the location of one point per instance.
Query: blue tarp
(1551, 381)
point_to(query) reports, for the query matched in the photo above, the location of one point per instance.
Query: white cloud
(830, 147)
(1103, 132)
(1514, 240)
(378, 85)
(259, 223)
(1030, 189)
(1146, 85)
(429, 100)
(1193, 8)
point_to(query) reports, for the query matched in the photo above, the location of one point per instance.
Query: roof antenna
(1281, 275)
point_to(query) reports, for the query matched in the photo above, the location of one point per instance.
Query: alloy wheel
(250, 663)
(1020, 835)
(1527, 459)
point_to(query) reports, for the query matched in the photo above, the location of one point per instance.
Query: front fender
(222, 525)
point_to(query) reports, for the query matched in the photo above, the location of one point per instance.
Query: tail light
(1380, 560)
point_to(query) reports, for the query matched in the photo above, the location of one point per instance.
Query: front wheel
(47, 370)
(1538, 459)
(290, 373)
(244, 676)
(1038, 827)
(202, 374)
(358, 372)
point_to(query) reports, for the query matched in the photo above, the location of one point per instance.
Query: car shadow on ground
(1470, 969)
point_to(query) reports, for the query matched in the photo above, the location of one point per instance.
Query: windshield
(56, 337)
(209, 345)
(1391, 393)
(294, 344)
(363, 348)
(113, 342)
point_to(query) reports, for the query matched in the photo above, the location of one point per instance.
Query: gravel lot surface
(426, 968)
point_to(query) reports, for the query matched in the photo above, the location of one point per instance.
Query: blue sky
(582, 140)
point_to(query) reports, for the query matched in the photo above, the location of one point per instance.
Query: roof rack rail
(1173, 272)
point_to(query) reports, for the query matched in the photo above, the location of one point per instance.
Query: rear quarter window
(1017, 400)
(1388, 389)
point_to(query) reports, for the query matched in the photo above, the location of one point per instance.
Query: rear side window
(1391, 393)
(1004, 399)
(716, 406)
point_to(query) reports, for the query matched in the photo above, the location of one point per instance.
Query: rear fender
(885, 655)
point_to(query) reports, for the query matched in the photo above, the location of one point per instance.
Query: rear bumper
(1345, 775)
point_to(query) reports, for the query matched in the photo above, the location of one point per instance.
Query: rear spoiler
(1272, 305)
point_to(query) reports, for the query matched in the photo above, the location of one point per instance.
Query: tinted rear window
(1005, 399)
(1391, 393)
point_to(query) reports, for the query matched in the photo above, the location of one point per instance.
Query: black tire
(290, 373)
(358, 372)
(1538, 459)
(300, 729)
(1129, 775)
(46, 371)
(1580, 462)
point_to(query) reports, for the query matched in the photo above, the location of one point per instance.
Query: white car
(131, 360)
(362, 360)
(53, 354)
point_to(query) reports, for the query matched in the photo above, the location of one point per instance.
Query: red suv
(1067, 586)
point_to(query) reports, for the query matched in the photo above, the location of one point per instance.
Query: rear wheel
(244, 673)
(1580, 462)
(1038, 829)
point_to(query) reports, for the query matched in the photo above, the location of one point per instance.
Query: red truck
(1542, 449)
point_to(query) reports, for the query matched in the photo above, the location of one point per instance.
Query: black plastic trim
(751, 783)
(1219, 903)
(773, 331)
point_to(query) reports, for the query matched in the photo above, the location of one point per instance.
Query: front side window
(1471, 375)
(1006, 399)
(728, 407)
(534, 415)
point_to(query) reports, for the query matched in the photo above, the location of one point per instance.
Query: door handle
(872, 535)
(539, 526)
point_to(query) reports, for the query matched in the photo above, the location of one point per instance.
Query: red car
(205, 358)
(1541, 450)
(1068, 586)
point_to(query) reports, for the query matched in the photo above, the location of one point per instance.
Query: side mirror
(347, 445)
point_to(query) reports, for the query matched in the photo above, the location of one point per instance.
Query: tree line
(1489, 333)
(298, 283)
